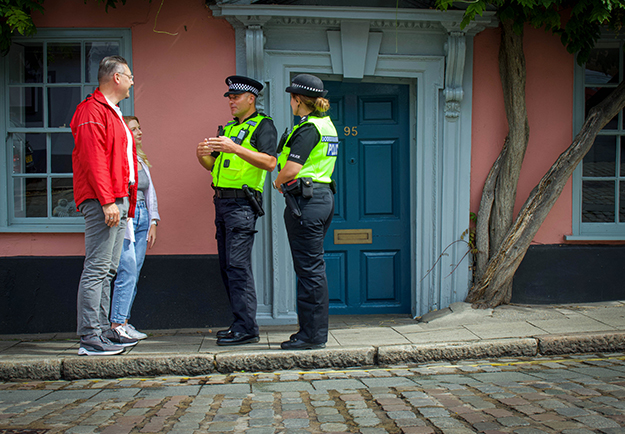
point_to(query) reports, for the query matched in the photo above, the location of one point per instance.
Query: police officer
(239, 159)
(306, 164)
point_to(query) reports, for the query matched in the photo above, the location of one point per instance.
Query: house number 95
(350, 131)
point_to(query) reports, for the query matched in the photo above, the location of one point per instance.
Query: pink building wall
(550, 110)
(178, 98)
(178, 95)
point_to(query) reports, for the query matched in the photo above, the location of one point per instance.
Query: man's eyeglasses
(130, 76)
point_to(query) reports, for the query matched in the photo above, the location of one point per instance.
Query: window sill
(602, 237)
(52, 229)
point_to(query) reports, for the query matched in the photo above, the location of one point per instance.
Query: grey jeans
(103, 246)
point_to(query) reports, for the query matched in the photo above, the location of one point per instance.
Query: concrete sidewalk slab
(570, 325)
(504, 330)
(459, 334)
(369, 336)
(453, 334)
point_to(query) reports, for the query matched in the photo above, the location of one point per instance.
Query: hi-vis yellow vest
(230, 170)
(320, 163)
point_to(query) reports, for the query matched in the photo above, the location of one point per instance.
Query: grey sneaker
(133, 332)
(94, 345)
(119, 337)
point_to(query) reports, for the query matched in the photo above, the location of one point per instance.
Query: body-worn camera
(220, 132)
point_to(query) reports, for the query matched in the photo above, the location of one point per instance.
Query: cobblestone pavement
(577, 394)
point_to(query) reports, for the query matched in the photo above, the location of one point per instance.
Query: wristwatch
(154, 222)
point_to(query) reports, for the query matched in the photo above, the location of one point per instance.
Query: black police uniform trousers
(235, 222)
(306, 240)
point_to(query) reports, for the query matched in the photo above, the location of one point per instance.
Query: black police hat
(307, 85)
(238, 84)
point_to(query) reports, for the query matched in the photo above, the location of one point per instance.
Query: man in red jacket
(105, 169)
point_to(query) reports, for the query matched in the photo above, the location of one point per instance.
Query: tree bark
(482, 241)
(502, 266)
(513, 77)
(496, 212)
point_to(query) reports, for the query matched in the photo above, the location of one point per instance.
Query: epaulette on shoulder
(231, 123)
(264, 115)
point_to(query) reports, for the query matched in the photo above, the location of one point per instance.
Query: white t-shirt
(131, 164)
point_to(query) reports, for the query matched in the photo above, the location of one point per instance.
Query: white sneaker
(119, 336)
(133, 332)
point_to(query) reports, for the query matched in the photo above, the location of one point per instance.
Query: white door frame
(435, 58)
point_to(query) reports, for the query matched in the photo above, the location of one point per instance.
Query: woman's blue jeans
(129, 267)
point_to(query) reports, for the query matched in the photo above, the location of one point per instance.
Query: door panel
(367, 246)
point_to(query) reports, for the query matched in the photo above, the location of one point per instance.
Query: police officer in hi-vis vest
(239, 158)
(306, 163)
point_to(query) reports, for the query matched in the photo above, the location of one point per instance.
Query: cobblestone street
(564, 394)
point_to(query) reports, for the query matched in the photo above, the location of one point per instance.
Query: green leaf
(443, 5)
(19, 21)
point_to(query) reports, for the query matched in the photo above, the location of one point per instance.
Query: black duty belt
(232, 193)
(321, 184)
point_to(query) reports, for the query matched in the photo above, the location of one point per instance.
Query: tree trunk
(482, 241)
(496, 212)
(513, 76)
(502, 266)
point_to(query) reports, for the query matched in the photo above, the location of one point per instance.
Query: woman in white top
(140, 234)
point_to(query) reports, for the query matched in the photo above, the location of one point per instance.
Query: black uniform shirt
(265, 137)
(302, 142)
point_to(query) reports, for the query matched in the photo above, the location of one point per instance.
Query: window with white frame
(600, 180)
(45, 78)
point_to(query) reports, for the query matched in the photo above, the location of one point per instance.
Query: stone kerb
(75, 368)
(284, 360)
(421, 353)
(587, 342)
(45, 370)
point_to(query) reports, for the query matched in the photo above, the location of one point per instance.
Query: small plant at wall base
(469, 234)
(16, 18)
(502, 240)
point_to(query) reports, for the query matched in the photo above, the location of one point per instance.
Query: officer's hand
(223, 144)
(204, 149)
(111, 214)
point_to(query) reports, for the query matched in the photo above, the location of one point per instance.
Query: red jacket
(100, 161)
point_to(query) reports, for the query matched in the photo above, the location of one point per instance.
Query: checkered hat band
(243, 87)
(301, 86)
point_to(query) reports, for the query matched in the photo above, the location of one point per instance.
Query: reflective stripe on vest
(320, 163)
(232, 171)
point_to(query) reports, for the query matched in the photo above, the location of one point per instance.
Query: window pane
(62, 147)
(621, 213)
(26, 62)
(95, 52)
(29, 153)
(89, 90)
(30, 197)
(598, 201)
(594, 95)
(26, 106)
(62, 102)
(622, 138)
(63, 204)
(64, 63)
(601, 159)
(603, 65)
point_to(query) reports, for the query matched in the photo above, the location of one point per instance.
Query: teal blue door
(367, 249)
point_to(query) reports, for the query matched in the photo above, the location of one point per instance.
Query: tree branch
(505, 262)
